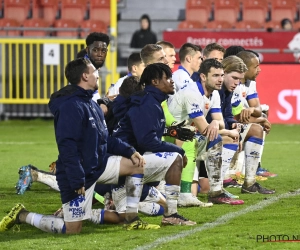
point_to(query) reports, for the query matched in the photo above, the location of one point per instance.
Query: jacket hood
(120, 107)
(145, 16)
(65, 93)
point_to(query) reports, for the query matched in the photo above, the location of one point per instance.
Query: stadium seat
(227, 10)
(296, 26)
(198, 10)
(219, 25)
(66, 24)
(190, 25)
(16, 9)
(254, 10)
(35, 23)
(74, 10)
(283, 9)
(48, 10)
(247, 25)
(36, 9)
(274, 25)
(93, 26)
(100, 11)
(9, 23)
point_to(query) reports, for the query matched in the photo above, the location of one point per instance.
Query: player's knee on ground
(73, 227)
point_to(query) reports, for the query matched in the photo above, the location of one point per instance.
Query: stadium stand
(74, 10)
(92, 26)
(36, 23)
(64, 25)
(273, 25)
(100, 6)
(227, 10)
(17, 10)
(40, 24)
(254, 14)
(190, 25)
(198, 10)
(248, 25)
(46, 9)
(219, 25)
(283, 9)
(9, 23)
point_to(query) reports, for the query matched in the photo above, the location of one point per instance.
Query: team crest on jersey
(244, 94)
(206, 105)
(195, 106)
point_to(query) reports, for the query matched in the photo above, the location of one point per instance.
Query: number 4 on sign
(51, 54)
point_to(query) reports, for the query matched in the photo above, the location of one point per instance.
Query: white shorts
(112, 171)
(157, 165)
(201, 145)
(80, 208)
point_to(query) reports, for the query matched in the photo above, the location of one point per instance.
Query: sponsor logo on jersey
(164, 154)
(184, 86)
(75, 208)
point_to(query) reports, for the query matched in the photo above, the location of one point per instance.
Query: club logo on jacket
(92, 122)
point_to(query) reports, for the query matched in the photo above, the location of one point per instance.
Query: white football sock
(228, 152)
(47, 223)
(252, 152)
(134, 186)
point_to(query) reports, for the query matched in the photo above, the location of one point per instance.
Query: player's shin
(252, 156)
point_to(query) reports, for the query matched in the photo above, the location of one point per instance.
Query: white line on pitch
(282, 142)
(219, 221)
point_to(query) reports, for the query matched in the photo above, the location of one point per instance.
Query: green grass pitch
(219, 227)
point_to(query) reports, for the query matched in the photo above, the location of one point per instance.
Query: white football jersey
(181, 78)
(114, 88)
(190, 102)
(243, 93)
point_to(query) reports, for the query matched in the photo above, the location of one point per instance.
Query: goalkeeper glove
(181, 131)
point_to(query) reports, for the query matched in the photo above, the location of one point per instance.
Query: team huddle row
(154, 139)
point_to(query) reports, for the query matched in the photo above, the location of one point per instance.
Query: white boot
(190, 200)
